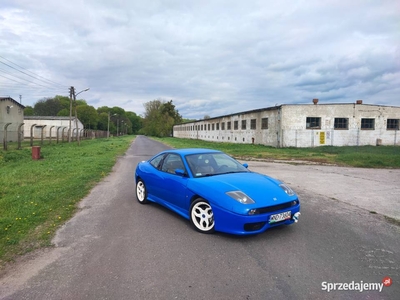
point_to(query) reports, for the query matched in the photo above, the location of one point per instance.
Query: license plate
(280, 217)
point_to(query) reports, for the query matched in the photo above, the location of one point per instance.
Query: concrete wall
(51, 124)
(295, 133)
(287, 126)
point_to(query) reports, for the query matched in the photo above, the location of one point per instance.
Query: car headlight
(240, 197)
(287, 189)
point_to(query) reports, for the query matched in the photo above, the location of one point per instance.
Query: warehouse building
(301, 125)
(50, 126)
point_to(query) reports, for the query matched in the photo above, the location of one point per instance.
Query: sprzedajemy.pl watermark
(356, 286)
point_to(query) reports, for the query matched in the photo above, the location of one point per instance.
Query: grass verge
(36, 197)
(354, 156)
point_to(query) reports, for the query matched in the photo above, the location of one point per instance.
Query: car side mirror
(245, 165)
(180, 172)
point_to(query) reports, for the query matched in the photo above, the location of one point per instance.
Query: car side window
(171, 163)
(155, 162)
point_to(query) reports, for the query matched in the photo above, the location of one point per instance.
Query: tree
(152, 118)
(135, 120)
(103, 124)
(47, 107)
(64, 102)
(63, 113)
(103, 109)
(160, 117)
(169, 109)
(118, 110)
(91, 118)
(88, 116)
(102, 121)
(188, 120)
(28, 111)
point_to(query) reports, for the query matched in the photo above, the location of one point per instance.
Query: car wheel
(141, 192)
(201, 216)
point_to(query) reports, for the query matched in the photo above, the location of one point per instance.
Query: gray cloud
(210, 57)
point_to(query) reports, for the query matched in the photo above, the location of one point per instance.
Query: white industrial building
(50, 126)
(301, 125)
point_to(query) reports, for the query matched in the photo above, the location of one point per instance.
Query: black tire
(201, 216)
(141, 192)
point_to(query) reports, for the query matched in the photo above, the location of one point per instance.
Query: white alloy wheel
(141, 192)
(201, 216)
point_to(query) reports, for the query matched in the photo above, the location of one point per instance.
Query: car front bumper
(229, 222)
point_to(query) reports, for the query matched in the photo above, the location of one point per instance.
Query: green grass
(36, 197)
(362, 156)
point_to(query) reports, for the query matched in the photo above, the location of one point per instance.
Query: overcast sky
(210, 57)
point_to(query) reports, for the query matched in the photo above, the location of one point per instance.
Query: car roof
(188, 151)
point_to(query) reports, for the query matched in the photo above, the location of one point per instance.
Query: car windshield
(209, 164)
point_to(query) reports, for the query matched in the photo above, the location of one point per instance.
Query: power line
(20, 78)
(35, 75)
(25, 80)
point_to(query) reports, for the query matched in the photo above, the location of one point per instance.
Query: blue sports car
(215, 192)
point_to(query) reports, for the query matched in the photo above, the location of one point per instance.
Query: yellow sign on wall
(322, 137)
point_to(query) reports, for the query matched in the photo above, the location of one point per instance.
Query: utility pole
(117, 126)
(76, 122)
(108, 126)
(71, 93)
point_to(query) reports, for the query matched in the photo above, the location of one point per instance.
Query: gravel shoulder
(376, 190)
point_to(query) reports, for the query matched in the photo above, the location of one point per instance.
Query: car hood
(264, 190)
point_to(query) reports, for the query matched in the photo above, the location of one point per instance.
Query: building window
(212, 126)
(253, 123)
(392, 124)
(341, 123)
(223, 126)
(236, 125)
(243, 124)
(368, 124)
(217, 126)
(228, 125)
(264, 123)
(208, 126)
(313, 123)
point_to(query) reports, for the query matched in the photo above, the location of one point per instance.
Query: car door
(174, 185)
(155, 177)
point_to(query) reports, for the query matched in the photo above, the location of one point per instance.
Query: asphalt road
(115, 248)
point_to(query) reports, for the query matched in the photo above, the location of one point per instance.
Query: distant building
(49, 125)
(11, 118)
(301, 125)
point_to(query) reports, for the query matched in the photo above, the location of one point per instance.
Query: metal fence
(9, 134)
